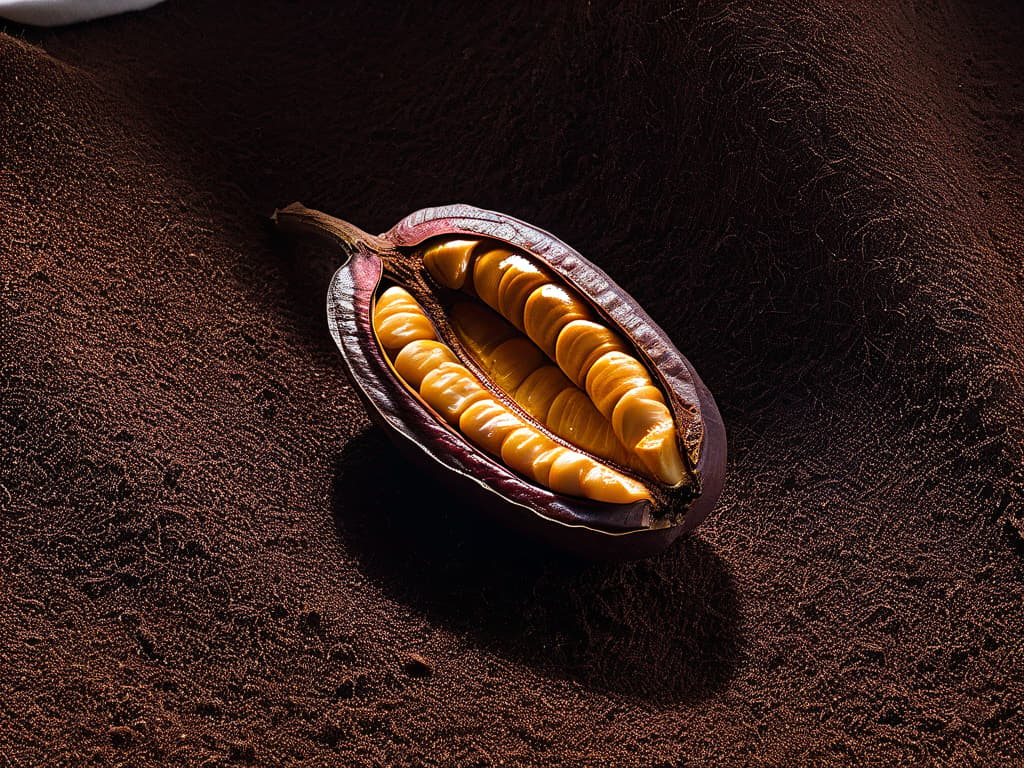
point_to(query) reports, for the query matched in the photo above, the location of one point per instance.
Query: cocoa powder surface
(210, 557)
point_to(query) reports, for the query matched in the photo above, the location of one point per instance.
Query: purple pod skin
(592, 529)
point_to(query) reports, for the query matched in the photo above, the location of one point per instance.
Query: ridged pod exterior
(601, 530)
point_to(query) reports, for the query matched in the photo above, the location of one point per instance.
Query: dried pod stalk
(501, 359)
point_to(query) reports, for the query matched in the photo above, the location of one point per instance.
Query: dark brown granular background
(209, 556)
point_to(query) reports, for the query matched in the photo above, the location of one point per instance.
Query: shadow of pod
(665, 628)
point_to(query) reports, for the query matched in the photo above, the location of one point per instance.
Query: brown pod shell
(608, 531)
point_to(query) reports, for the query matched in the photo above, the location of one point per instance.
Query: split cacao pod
(502, 361)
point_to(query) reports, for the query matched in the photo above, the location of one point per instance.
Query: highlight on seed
(564, 329)
(542, 347)
(456, 395)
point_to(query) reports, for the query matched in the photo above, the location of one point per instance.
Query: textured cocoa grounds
(209, 557)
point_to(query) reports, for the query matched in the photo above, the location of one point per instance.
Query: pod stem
(297, 218)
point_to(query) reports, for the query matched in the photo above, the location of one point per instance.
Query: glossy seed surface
(456, 395)
(564, 329)
(542, 389)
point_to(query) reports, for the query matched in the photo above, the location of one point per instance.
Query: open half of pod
(518, 373)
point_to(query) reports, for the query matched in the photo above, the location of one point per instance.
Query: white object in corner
(52, 13)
